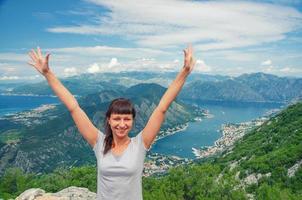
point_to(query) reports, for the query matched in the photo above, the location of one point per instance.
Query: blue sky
(93, 36)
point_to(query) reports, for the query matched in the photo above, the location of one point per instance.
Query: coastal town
(157, 164)
(231, 132)
(30, 117)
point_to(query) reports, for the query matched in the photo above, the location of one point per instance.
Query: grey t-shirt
(120, 177)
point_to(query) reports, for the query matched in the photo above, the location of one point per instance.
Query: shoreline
(171, 131)
(181, 127)
(231, 132)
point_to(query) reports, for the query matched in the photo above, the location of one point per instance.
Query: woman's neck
(117, 142)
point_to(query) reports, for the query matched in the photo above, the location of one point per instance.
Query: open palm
(38, 61)
(189, 61)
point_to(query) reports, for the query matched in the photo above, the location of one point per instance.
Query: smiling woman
(120, 159)
(118, 123)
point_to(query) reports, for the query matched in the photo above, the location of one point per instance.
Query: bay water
(10, 104)
(204, 133)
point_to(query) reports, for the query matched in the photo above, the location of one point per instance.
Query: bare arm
(85, 126)
(157, 117)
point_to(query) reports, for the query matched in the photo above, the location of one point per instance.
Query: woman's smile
(121, 124)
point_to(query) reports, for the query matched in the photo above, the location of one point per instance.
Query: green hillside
(260, 166)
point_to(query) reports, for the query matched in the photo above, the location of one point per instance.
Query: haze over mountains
(257, 87)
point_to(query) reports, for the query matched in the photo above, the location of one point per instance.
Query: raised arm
(156, 119)
(85, 126)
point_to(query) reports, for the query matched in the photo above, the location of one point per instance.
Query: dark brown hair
(117, 106)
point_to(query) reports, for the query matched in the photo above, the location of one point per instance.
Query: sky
(94, 36)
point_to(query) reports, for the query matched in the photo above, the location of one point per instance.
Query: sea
(198, 134)
(10, 104)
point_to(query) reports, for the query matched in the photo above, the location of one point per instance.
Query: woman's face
(121, 124)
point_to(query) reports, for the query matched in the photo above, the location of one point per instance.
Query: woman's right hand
(38, 61)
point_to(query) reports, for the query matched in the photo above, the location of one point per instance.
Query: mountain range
(256, 87)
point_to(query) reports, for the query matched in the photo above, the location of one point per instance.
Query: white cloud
(233, 55)
(267, 62)
(112, 66)
(114, 63)
(4, 57)
(290, 71)
(269, 69)
(72, 71)
(9, 78)
(105, 51)
(202, 67)
(5, 78)
(285, 69)
(94, 68)
(210, 24)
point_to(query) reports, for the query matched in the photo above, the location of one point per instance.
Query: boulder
(70, 193)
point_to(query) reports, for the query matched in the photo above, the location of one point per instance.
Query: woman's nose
(122, 123)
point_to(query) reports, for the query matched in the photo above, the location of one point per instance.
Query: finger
(34, 54)
(190, 49)
(47, 57)
(185, 51)
(39, 52)
(31, 56)
(31, 63)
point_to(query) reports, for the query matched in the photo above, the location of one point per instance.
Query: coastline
(231, 132)
(201, 114)
(171, 131)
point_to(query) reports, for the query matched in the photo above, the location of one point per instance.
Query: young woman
(120, 159)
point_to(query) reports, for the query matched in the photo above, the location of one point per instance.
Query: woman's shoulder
(100, 140)
(138, 140)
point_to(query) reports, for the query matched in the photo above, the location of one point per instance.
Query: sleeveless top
(120, 177)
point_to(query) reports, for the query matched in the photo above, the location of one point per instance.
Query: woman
(120, 158)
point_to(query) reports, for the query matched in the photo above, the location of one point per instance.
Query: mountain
(92, 83)
(265, 164)
(227, 90)
(273, 88)
(257, 87)
(80, 87)
(47, 137)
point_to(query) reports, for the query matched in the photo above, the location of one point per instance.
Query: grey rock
(31, 194)
(70, 193)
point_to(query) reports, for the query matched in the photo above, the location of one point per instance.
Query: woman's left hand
(189, 60)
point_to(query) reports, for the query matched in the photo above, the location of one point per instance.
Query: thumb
(47, 57)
